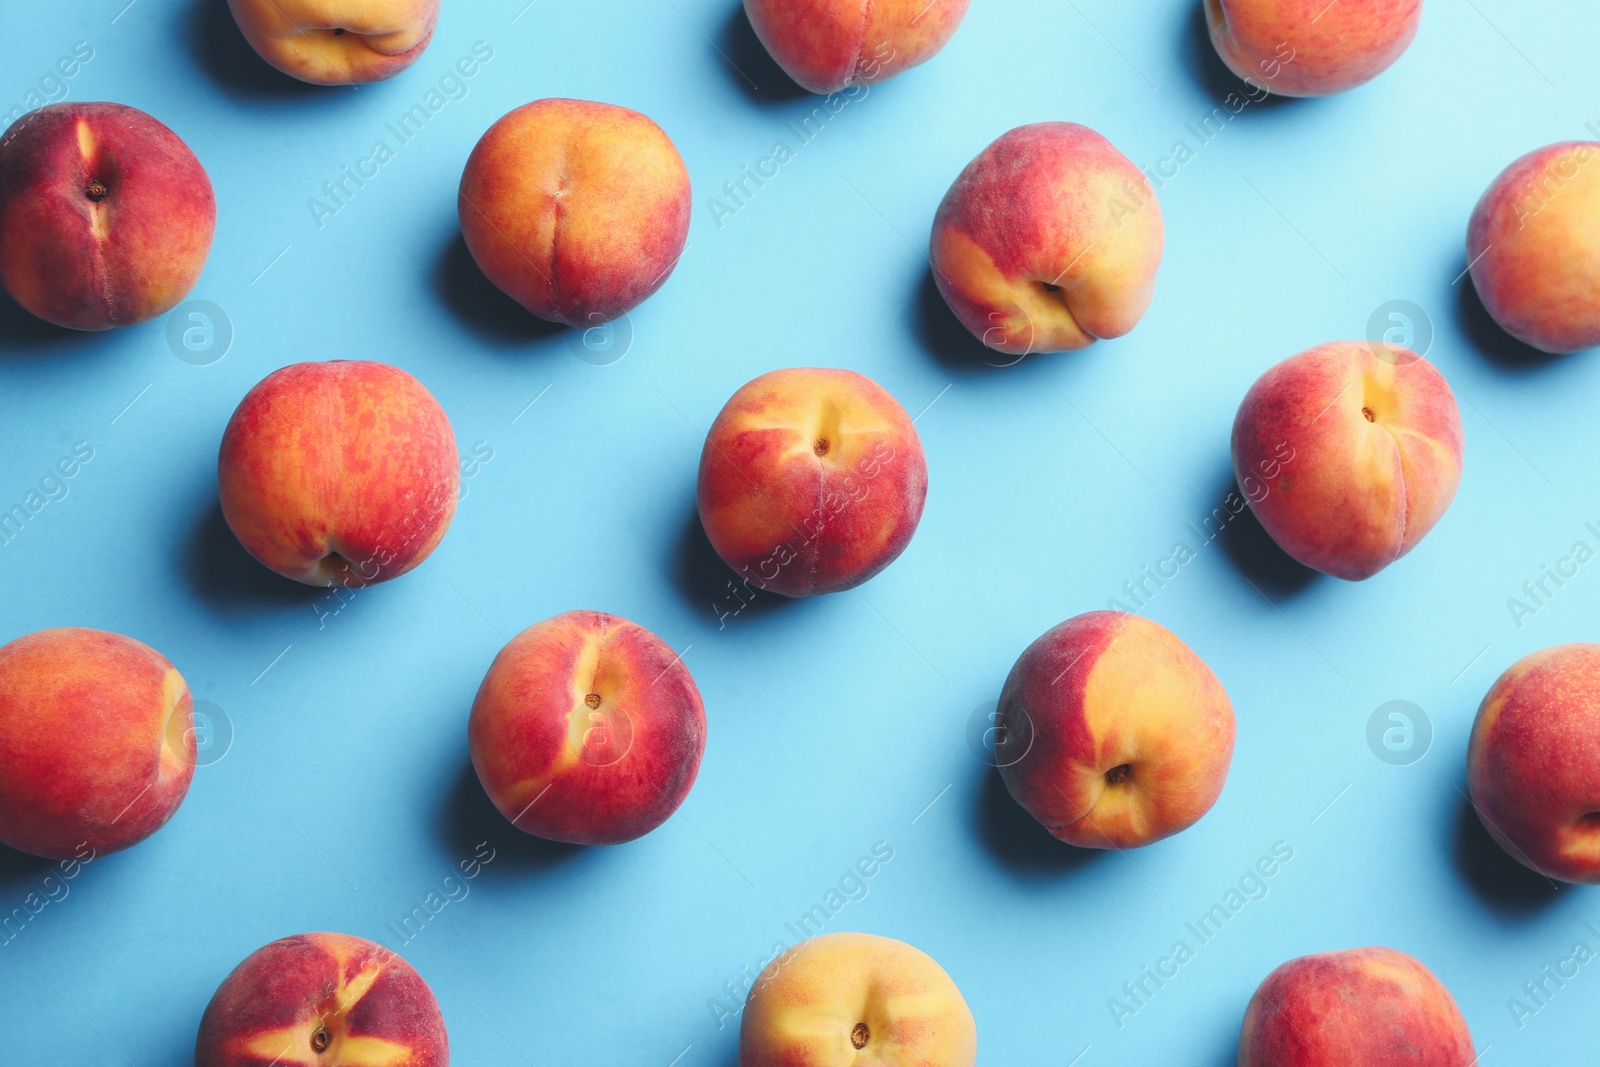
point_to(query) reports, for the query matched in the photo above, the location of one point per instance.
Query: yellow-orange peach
(1373, 439)
(576, 210)
(322, 1000)
(337, 42)
(97, 745)
(1534, 247)
(106, 217)
(587, 729)
(339, 473)
(1533, 766)
(1048, 241)
(1112, 733)
(1364, 1007)
(853, 1000)
(1311, 47)
(811, 481)
(826, 45)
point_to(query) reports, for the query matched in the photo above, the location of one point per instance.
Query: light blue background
(841, 721)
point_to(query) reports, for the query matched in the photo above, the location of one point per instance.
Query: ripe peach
(339, 473)
(576, 210)
(826, 45)
(97, 742)
(322, 1000)
(1534, 247)
(1048, 241)
(106, 216)
(1311, 47)
(1376, 446)
(1363, 1007)
(1534, 762)
(811, 481)
(856, 999)
(587, 729)
(337, 42)
(1112, 733)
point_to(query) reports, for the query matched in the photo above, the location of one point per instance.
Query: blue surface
(839, 722)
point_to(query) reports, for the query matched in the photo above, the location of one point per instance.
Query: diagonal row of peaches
(588, 728)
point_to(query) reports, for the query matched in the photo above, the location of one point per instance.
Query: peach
(1112, 733)
(1533, 765)
(322, 1000)
(337, 42)
(826, 45)
(578, 211)
(339, 473)
(587, 729)
(1366, 441)
(1534, 247)
(811, 481)
(1363, 1007)
(1311, 47)
(106, 217)
(97, 745)
(856, 999)
(1048, 241)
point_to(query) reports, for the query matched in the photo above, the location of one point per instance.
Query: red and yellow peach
(842, 999)
(106, 216)
(587, 729)
(337, 42)
(1534, 247)
(826, 45)
(577, 210)
(339, 473)
(97, 745)
(322, 1000)
(1365, 1007)
(1112, 733)
(1376, 441)
(811, 481)
(1048, 241)
(1533, 766)
(1311, 47)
